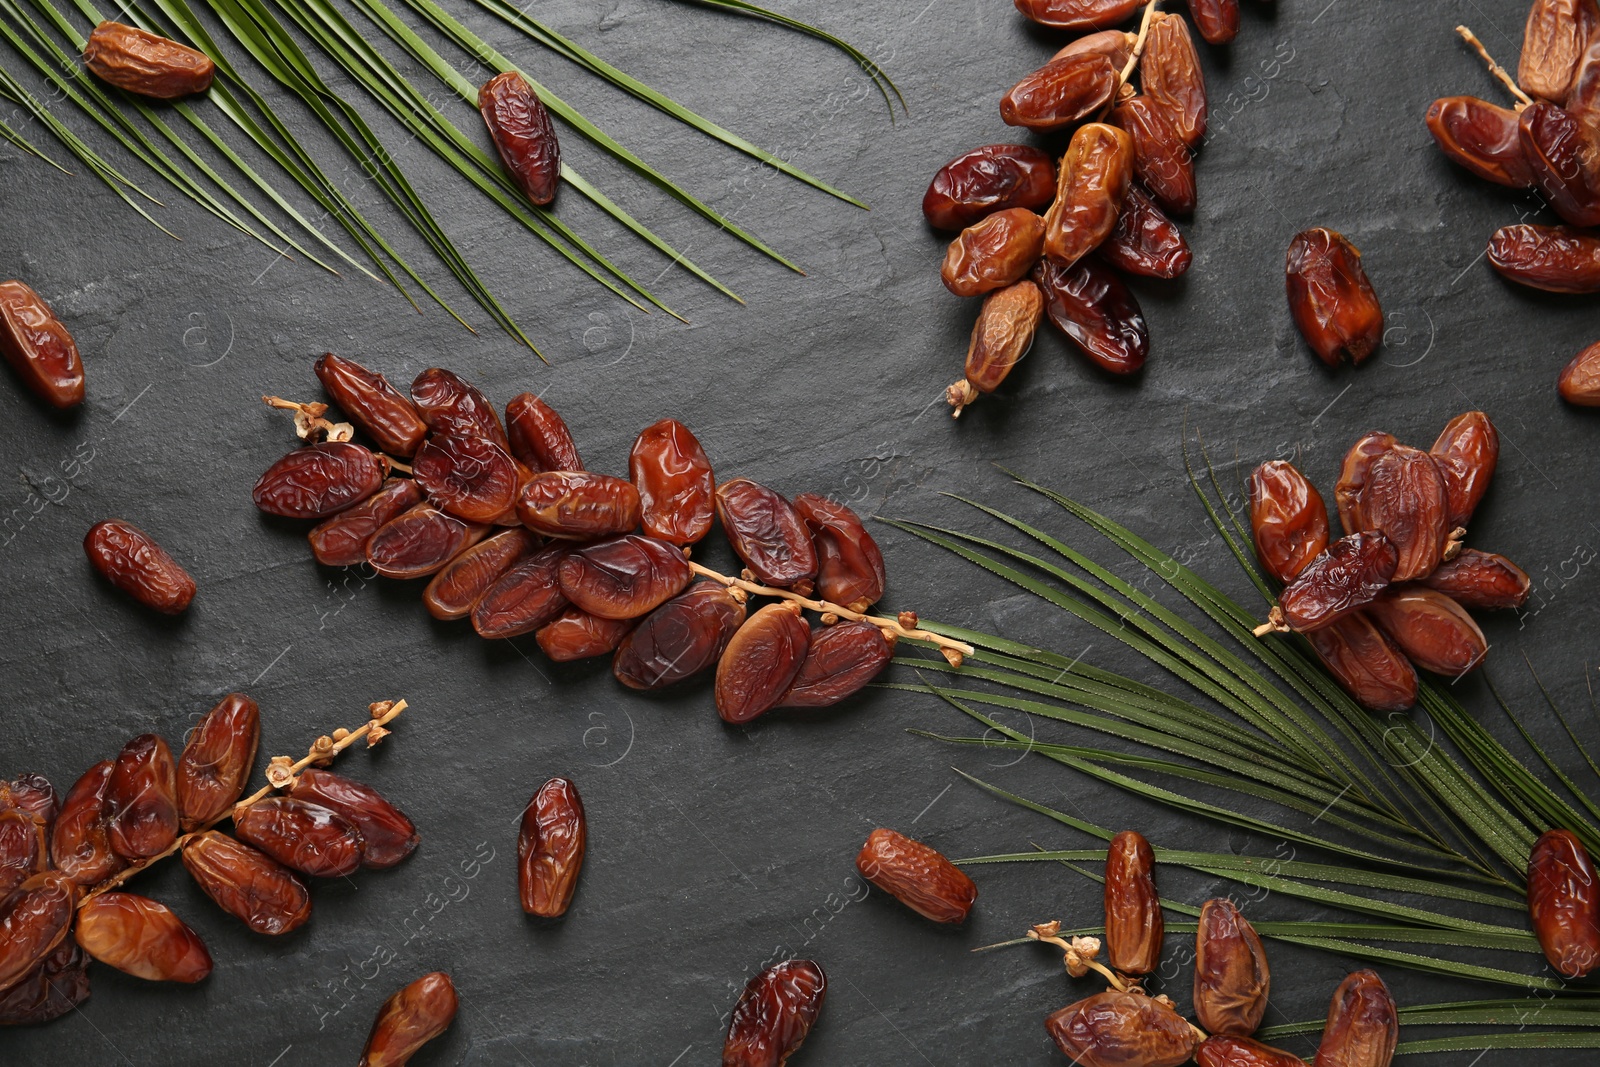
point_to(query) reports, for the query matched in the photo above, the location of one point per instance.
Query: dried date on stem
(130, 559)
(1466, 453)
(1482, 137)
(1220, 1051)
(1332, 301)
(917, 876)
(623, 577)
(141, 937)
(1553, 40)
(768, 535)
(1115, 1029)
(216, 762)
(470, 477)
(681, 638)
(38, 347)
(1001, 336)
(539, 436)
(849, 564)
(1564, 903)
(1079, 14)
(1557, 259)
(1288, 519)
(993, 178)
(342, 540)
(1095, 174)
(453, 592)
(550, 847)
(575, 634)
(1353, 475)
(1161, 161)
(1145, 242)
(1366, 663)
(410, 1019)
(1405, 499)
(80, 841)
(1170, 74)
(1353, 570)
(993, 253)
(1115, 45)
(576, 505)
(1362, 1026)
(302, 835)
(141, 62)
(524, 598)
(1481, 580)
(523, 134)
(1060, 93)
(252, 887)
(1216, 20)
(34, 918)
(1433, 630)
(319, 480)
(1562, 156)
(142, 799)
(449, 404)
(775, 1014)
(55, 986)
(761, 662)
(33, 795)
(840, 661)
(377, 408)
(387, 836)
(1097, 312)
(24, 849)
(419, 542)
(1134, 924)
(1231, 977)
(677, 491)
(1580, 380)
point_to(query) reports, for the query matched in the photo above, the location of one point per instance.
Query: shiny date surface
(551, 844)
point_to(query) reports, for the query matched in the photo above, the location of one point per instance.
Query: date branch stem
(1523, 99)
(1138, 44)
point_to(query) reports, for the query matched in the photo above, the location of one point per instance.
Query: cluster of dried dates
(1393, 592)
(62, 860)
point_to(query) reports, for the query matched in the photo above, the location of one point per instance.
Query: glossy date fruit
(1170, 74)
(1562, 156)
(1078, 14)
(1145, 242)
(302, 835)
(80, 841)
(677, 491)
(849, 564)
(1115, 45)
(1113, 1029)
(141, 62)
(1553, 40)
(1216, 20)
(917, 876)
(550, 847)
(1564, 903)
(1362, 1026)
(38, 347)
(1218, 1051)
(55, 986)
(472, 478)
(453, 592)
(1466, 453)
(1348, 575)
(1288, 519)
(387, 836)
(768, 535)
(993, 253)
(1432, 630)
(539, 436)
(578, 506)
(1161, 161)
(33, 795)
(377, 408)
(1231, 977)
(250, 886)
(34, 918)
(1134, 924)
(761, 662)
(1406, 500)
(1481, 137)
(410, 1019)
(1001, 336)
(318, 481)
(1353, 475)
(141, 937)
(681, 638)
(1330, 298)
(342, 540)
(524, 598)
(449, 404)
(24, 848)
(1060, 93)
(775, 1014)
(1557, 259)
(1097, 312)
(624, 577)
(1095, 174)
(1580, 379)
(1481, 580)
(840, 661)
(1364, 661)
(215, 763)
(575, 634)
(523, 134)
(993, 178)
(142, 799)
(419, 542)
(130, 559)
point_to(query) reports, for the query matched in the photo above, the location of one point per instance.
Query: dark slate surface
(712, 849)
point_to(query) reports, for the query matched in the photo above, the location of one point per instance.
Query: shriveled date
(1113, 1029)
(524, 598)
(318, 481)
(1231, 977)
(989, 179)
(624, 577)
(1553, 40)
(550, 847)
(768, 535)
(1097, 312)
(56, 985)
(1481, 580)
(38, 347)
(1466, 453)
(523, 134)
(1161, 161)
(761, 662)
(80, 841)
(141, 797)
(130, 559)
(24, 848)
(849, 565)
(250, 886)
(342, 540)
(1062, 92)
(1362, 1026)
(1145, 242)
(470, 477)
(141, 937)
(993, 253)
(1580, 379)
(917, 876)
(775, 1014)
(1482, 137)
(1078, 14)
(1405, 498)
(1369, 665)
(1220, 1051)
(1332, 301)
(1001, 336)
(1562, 155)
(455, 590)
(539, 435)
(377, 408)
(677, 490)
(450, 404)
(681, 638)
(1434, 631)
(1217, 20)
(419, 542)
(1095, 174)
(1134, 924)
(1170, 74)
(1558, 259)
(575, 635)
(1288, 519)
(387, 836)
(141, 62)
(34, 918)
(1353, 475)
(576, 505)
(840, 661)
(1349, 575)
(410, 1019)
(1564, 902)
(302, 835)
(216, 761)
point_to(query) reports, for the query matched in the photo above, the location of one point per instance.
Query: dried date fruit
(1583, 96)
(539, 436)
(377, 408)
(917, 876)
(302, 835)
(775, 1014)
(387, 836)
(1145, 242)
(1562, 156)
(1330, 297)
(524, 598)
(993, 253)
(470, 477)
(410, 1019)
(1170, 74)
(1481, 137)
(1161, 161)
(55, 986)
(142, 797)
(1433, 630)
(1001, 336)
(24, 849)
(141, 62)
(681, 638)
(449, 404)
(1553, 40)
(1580, 380)
(33, 795)
(840, 661)
(550, 848)
(578, 506)
(1095, 174)
(1353, 571)
(849, 565)
(985, 180)
(1113, 1029)
(419, 542)
(141, 937)
(761, 662)
(1466, 453)
(624, 577)
(215, 763)
(80, 841)
(768, 535)
(1564, 903)
(1481, 580)
(38, 347)
(1134, 924)
(1231, 977)
(1362, 1026)
(1366, 663)
(1288, 519)
(250, 886)
(1218, 1051)
(575, 634)
(1353, 474)
(1557, 259)
(453, 592)
(1078, 14)
(318, 481)
(1097, 312)
(523, 134)
(1061, 92)
(1406, 500)
(130, 559)
(1115, 45)
(342, 540)
(1217, 20)
(34, 918)
(677, 491)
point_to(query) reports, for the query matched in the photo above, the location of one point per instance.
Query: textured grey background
(712, 849)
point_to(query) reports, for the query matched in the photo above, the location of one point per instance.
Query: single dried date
(455, 590)
(1115, 45)
(677, 490)
(419, 542)
(1433, 630)
(80, 841)
(1481, 137)
(1095, 174)
(1220, 1051)
(387, 836)
(985, 180)
(1553, 40)
(470, 477)
(1362, 1026)
(523, 134)
(1288, 519)
(1580, 379)
(550, 847)
(1562, 156)
(1145, 242)
(1217, 20)
(849, 564)
(1557, 259)
(575, 634)
(1466, 453)
(141, 62)
(1405, 498)
(55, 986)
(993, 253)
(1097, 312)
(1161, 161)
(624, 577)
(1231, 978)
(917, 876)
(38, 347)
(840, 661)
(141, 937)
(1114, 1029)
(576, 505)
(1348, 575)
(215, 763)
(377, 408)
(409, 1019)
(524, 598)
(681, 638)
(318, 481)
(768, 535)
(1134, 924)
(34, 918)
(141, 797)
(33, 795)
(1481, 580)
(1564, 903)
(1363, 660)
(1078, 14)
(449, 404)
(539, 436)
(24, 849)
(1001, 336)
(342, 540)
(1170, 74)
(250, 886)
(775, 1014)
(1353, 475)
(1332, 301)
(302, 835)
(130, 559)
(761, 662)
(1062, 92)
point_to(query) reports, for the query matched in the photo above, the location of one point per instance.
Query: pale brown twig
(309, 423)
(1523, 99)
(1138, 44)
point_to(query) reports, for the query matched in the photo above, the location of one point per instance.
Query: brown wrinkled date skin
(917, 876)
(34, 919)
(624, 577)
(1353, 570)
(1079, 14)
(1432, 630)
(1553, 40)
(523, 134)
(419, 542)
(410, 1019)
(1466, 454)
(38, 347)
(576, 634)
(318, 481)
(681, 638)
(80, 841)
(302, 835)
(33, 795)
(985, 180)
(524, 598)
(387, 836)
(1288, 519)
(1363, 660)
(1406, 500)
(1170, 74)
(129, 559)
(141, 62)
(1113, 1029)
(1564, 903)
(1481, 137)
(1330, 297)
(1353, 474)
(1562, 156)
(472, 478)
(377, 408)
(142, 799)
(1095, 174)
(550, 847)
(1481, 580)
(252, 887)
(1241, 1051)
(768, 535)
(141, 937)
(761, 662)
(578, 506)
(1097, 312)
(455, 590)
(1161, 161)
(449, 404)
(539, 436)
(1362, 1026)
(24, 849)
(775, 1014)
(1134, 924)
(342, 540)
(55, 986)
(1061, 92)
(1557, 259)
(1115, 45)
(1145, 242)
(677, 490)
(849, 564)
(215, 763)
(993, 253)
(1580, 380)
(1216, 20)
(840, 661)
(1001, 336)
(1231, 977)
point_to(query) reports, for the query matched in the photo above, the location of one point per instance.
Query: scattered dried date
(141, 797)
(1481, 580)
(1580, 379)
(524, 598)
(451, 405)
(1231, 977)
(470, 477)
(141, 937)
(1561, 154)
(215, 763)
(410, 1019)
(575, 634)
(377, 408)
(1145, 242)
(1564, 902)
(1114, 1029)
(250, 886)
(523, 134)
(141, 62)
(130, 559)
(455, 590)
(1097, 312)
(34, 918)
(677, 490)
(1362, 1026)
(775, 1014)
(1481, 137)
(550, 848)
(1366, 663)
(419, 542)
(1161, 161)
(1078, 14)
(1553, 40)
(1466, 453)
(849, 564)
(80, 841)
(1170, 74)
(319, 480)
(993, 253)
(917, 876)
(989, 179)
(1432, 630)
(761, 662)
(539, 436)
(1353, 475)
(1332, 301)
(1348, 575)
(1134, 924)
(1220, 1051)
(1405, 499)
(38, 347)
(55, 986)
